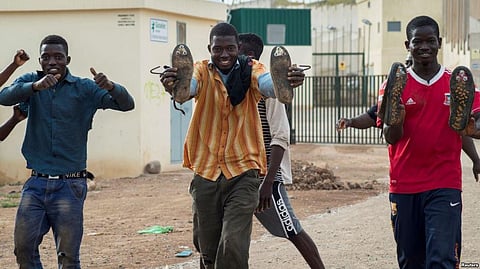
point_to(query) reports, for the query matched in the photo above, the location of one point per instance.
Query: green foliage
(13, 195)
(8, 203)
(285, 3)
(338, 2)
(9, 200)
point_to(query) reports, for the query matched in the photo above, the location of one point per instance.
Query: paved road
(360, 236)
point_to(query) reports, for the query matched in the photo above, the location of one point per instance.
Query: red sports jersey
(427, 157)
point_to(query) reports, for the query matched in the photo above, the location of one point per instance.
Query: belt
(79, 174)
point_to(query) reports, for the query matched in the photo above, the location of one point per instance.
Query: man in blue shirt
(60, 113)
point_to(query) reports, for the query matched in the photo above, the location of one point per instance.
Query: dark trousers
(223, 212)
(427, 229)
(45, 204)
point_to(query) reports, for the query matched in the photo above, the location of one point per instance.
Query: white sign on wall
(276, 34)
(158, 30)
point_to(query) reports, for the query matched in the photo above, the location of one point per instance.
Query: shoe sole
(279, 64)
(182, 59)
(462, 93)
(397, 78)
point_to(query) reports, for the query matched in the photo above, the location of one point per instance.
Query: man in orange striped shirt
(224, 147)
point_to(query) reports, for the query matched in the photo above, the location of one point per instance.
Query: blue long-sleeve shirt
(59, 119)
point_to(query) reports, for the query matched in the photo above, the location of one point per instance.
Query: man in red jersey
(424, 152)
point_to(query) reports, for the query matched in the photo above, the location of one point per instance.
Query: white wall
(120, 144)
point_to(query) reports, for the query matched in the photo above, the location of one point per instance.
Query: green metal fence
(321, 101)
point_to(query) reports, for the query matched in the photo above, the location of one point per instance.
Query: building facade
(124, 40)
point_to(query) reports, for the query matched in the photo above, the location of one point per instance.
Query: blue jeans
(50, 203)
(427, 228)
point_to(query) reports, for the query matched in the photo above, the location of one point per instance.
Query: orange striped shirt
(223, 138)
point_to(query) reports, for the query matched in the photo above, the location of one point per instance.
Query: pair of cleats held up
(462, 93)
(182, 59)
(280, 63)
(179, 89)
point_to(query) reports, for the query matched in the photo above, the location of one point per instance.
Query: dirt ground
(118, 208)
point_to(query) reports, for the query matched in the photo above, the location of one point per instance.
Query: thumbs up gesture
(102, 80)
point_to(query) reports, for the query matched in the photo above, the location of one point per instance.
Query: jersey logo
(410, 101)
(454, 204)
(446, 101)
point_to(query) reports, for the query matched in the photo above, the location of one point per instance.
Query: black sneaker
(462, 93)
(397, 78)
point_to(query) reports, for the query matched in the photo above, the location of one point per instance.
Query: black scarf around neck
(239, 80)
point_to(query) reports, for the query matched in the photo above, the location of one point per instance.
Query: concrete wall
(114, 37)
(388, 47)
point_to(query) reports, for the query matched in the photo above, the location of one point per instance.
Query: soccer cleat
(462, 93)
(389, 109)
(279, 64)
(182, 59)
